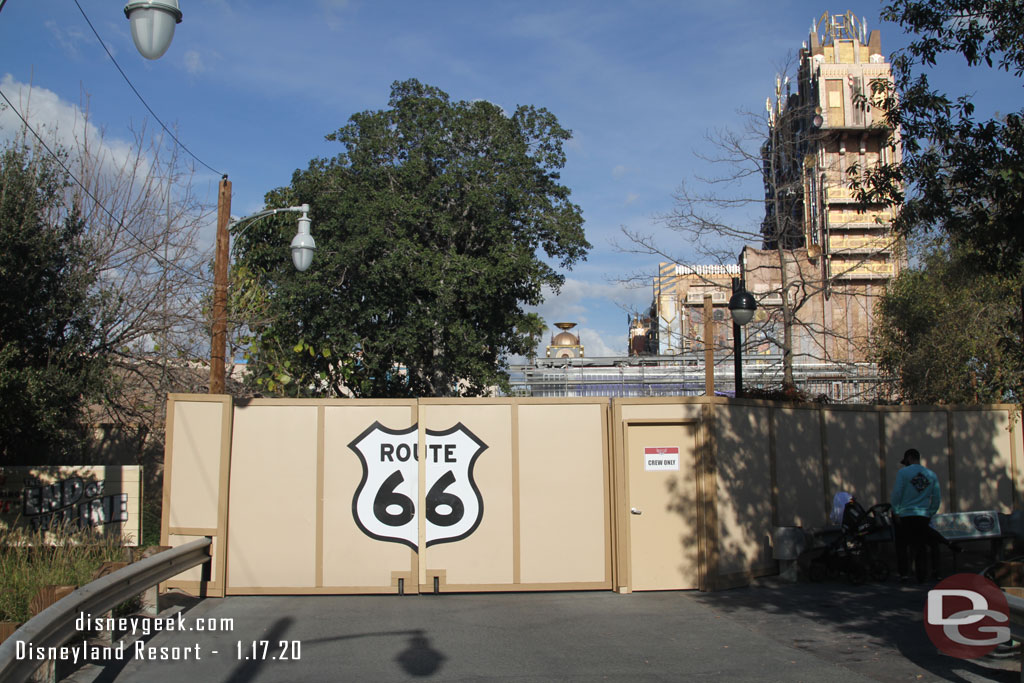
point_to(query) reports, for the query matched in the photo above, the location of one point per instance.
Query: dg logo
(386, 502)
(966, 616)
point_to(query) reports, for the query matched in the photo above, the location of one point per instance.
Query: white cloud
(595, 345)
(194, 62)
(333, 9)
(619, 171)
(576, 290)
(568, 305)
(70, 38)
(60, 124)
(631, 197)
(598, 308)
(577, 143)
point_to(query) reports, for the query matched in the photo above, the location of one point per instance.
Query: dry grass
(31, 560)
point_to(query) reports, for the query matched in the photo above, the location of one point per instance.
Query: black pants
(914, 537)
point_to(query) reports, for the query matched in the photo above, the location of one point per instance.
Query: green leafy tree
(937, 328)
(49, 370)
(966, 176)
(961, 184)
(436, 226)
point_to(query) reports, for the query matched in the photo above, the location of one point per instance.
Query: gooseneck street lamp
(153, 24)
(303, 245)
(742, 306)
(302, 248)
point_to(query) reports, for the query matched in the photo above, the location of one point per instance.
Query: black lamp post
(742, 306)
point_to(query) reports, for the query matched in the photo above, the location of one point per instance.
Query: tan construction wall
(564, 472)
(197, 454)
(984, 469)
(744, 486)
(853, 454)
(305, 479)
(762, 464)
(542, 494)
(273, 489)
(350, 561)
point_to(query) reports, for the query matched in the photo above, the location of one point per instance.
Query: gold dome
(565, 343)
(565, 337)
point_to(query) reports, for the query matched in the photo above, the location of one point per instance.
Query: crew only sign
(385, 505)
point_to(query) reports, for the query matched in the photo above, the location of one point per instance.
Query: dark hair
(912, 454)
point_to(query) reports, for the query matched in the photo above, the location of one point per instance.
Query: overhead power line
(137, 94)
(147, 247)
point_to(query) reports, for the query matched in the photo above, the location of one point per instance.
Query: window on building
(834, 102)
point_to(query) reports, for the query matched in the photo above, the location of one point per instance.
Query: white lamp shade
(742, 316)
(303, 246)
(742, 306)
(152, 23)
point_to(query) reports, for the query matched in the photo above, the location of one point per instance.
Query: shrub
(31, 560)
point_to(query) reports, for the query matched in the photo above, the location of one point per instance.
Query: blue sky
(253, 87)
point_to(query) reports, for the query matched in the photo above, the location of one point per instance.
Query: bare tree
(764, 171)
(144, 218)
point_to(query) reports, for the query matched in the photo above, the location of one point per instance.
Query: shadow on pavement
(419, 658)
(110, 670)
(859, 627)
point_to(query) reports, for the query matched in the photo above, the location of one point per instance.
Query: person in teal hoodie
(915, 498)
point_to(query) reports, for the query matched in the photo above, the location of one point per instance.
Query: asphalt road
(769, 632)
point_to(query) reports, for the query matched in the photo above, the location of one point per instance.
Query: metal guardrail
(54, 626)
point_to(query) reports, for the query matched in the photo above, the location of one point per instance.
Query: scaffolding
(683, 375)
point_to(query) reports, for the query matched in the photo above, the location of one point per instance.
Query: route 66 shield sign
(454, 507)
(384, 506)
(386, 503)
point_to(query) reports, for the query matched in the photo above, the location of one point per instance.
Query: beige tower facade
(821, 139)
(825, 258)
(679, 302)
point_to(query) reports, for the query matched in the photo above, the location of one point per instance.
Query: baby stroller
(853, 551)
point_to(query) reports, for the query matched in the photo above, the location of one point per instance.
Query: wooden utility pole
(218, 339)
